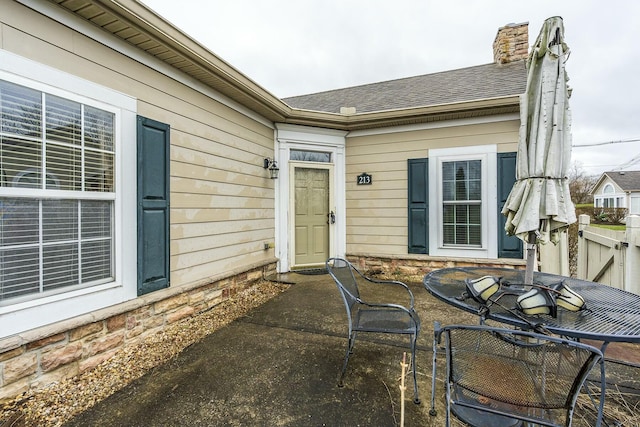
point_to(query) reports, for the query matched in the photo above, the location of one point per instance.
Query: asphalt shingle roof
(465, 84)
(627, 180)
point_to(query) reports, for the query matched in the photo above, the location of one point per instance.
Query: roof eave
(202, 64)
(214, 72)
(405, 116)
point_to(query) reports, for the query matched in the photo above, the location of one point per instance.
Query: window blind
(53, 242)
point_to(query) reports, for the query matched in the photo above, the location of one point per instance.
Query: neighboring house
(133, 191)
(618, 190)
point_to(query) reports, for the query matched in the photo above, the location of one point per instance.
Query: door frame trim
(294, 137)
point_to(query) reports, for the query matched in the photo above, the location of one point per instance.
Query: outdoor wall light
(272, 166)
(483, 288)
(568, 299)
(537, 301)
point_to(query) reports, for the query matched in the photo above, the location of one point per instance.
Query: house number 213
(364, 179)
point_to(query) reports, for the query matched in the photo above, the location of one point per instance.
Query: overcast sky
(295, 47)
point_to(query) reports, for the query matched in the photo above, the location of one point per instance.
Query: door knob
(331, 218)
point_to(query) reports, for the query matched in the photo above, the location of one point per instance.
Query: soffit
(137, 25)
(142, 28)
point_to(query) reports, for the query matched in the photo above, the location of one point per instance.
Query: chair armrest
(410, 311)
(389, 282)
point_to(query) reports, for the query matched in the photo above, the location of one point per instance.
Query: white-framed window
(609, 198)
(462, 203)
(67, 221)
(463, 180)
(608, 201)
(634, 208)
(56, 193)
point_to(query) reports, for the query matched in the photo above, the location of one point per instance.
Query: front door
(312, 215)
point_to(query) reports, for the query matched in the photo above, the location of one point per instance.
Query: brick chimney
(511, 43)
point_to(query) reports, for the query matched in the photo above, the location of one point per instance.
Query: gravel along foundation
(59, 402)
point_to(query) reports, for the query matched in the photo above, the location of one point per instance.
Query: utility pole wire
(595, 144)
(631, 162)
(625, 165)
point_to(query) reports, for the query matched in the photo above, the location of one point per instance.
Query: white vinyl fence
(610, 257)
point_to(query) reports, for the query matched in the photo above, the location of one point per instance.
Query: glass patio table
(611, 315)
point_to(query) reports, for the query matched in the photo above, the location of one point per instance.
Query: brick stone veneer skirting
(416, 266)
(55, 352)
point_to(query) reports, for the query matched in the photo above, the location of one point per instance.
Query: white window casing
(634, 205)
(63, 302)
(441, 245)
(609, 198)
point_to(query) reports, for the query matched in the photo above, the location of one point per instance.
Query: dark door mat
(285, 278)
(311, 271)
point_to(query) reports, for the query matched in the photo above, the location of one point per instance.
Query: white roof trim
(435, 125)
(78, 24)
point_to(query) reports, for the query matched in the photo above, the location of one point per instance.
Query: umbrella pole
(531, 258)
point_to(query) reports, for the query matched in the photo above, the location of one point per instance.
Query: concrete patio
(279, 365)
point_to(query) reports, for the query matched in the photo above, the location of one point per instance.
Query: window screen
(462, 203)
(56, 233)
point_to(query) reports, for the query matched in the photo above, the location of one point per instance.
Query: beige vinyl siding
(222, 202)
(377, 214)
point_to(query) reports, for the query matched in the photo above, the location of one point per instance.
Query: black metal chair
(364, 316)
(504, 377)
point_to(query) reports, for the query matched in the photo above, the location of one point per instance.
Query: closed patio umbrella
(539, 205)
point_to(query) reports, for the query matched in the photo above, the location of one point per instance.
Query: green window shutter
(508, 246)
(153, 205)
(418, 171)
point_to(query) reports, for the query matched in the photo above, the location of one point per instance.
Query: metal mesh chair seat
(493, 378)
(515, 374)
(385, 321)
(494, 406)
(377, 317)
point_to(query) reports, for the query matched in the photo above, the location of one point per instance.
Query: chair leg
(416, 398)
(350, 344)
